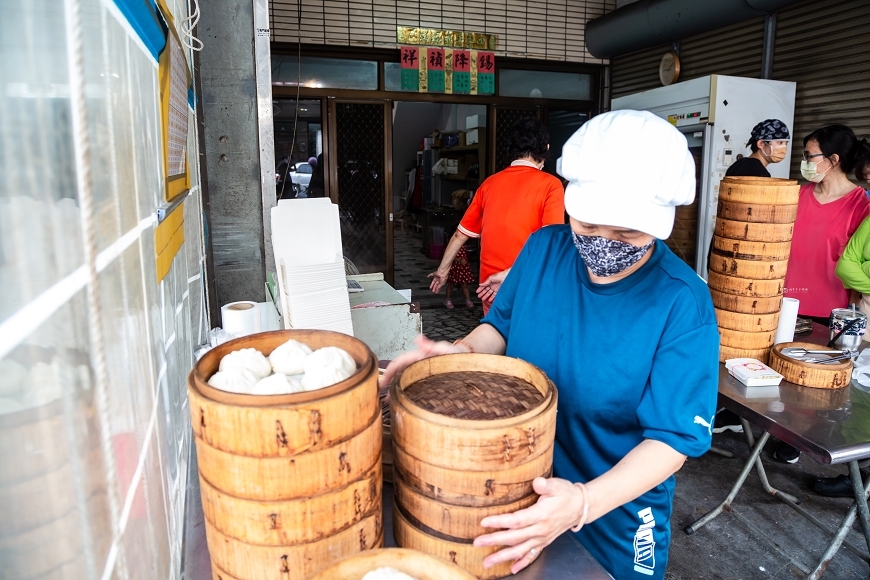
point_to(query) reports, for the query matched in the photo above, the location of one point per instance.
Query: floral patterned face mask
(607, 257)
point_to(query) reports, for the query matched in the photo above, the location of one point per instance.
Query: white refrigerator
(716, 113)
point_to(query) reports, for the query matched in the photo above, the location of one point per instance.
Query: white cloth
(627, 169)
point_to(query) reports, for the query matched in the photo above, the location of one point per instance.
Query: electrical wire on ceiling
(298, 83)
(188, 24)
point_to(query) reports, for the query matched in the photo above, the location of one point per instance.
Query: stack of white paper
(306, 239)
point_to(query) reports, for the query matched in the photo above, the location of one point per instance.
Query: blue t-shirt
(632, 360)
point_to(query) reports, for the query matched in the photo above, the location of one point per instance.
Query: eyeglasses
(807, 155)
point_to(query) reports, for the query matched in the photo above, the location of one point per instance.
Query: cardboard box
(474, 121)
(472, 137)
(452, 139)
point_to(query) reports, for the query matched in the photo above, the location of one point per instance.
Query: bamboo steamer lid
(729, 352)
(769, 190)
(757, 212)
(745, 250)
(827, 376)
(474, 445)
(752, 270)
(237, 559)
(472, 488)
(747, 322)
(746, 340)
(411, 562)
(755, 232)
(745, 304)
(464, 554)
(748, 287)
(459, 522)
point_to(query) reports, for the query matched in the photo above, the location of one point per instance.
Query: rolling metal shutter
(544, 29)
(732, 50)
(823, 48)
(637, 71)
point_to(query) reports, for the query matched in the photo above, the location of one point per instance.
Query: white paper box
(472, 137)
(474, 121)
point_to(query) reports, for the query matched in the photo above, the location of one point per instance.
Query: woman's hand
(425, 349)
(489, 288)
(559, 508)
(439, 279)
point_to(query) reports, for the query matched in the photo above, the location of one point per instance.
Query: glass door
(360, 146)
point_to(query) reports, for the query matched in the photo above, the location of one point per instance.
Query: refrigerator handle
(707, 202)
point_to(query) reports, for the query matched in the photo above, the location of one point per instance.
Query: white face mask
(810, 173)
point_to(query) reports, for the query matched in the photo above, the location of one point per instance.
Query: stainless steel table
(822, 424)
(563, 559)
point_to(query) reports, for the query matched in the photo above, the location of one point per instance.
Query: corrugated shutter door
(823, 47)
(551, 29)
(732, 50)
(637, 71)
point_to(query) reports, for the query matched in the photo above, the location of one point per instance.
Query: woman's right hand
(425, 349)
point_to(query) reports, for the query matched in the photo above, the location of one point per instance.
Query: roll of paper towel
(241, 318)
(787, 319)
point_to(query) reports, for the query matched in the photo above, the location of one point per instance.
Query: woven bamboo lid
(770, 190)
(474, 395)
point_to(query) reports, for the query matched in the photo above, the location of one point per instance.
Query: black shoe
(786, 454)
(840, 486)
(727, 421)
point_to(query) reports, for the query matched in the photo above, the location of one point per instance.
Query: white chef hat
(627, 169)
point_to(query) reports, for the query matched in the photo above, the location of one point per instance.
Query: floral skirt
(460, 270)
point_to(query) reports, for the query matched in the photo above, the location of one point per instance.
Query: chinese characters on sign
(446, 38)
(447, 70)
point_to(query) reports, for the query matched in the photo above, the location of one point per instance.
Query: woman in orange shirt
(507, 208)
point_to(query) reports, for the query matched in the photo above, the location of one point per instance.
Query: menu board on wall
(447, 70)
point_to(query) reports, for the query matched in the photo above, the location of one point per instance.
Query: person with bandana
(768, 143)
(626, 331)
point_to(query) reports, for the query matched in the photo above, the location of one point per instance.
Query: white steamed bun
(327, 366)
(237, 380)
(289, 358)
(386, 573)
(250, 359)
(277, 384)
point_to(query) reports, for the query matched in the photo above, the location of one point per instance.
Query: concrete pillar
(231, 149)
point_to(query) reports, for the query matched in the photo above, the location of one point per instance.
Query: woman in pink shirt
(830, 209)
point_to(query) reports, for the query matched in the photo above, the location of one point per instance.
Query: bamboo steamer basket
(746, 340)
(748, 269)
(458, 522)
(769, 190)
(729, 352)
(747, 250)
(243, 561)
(828, 376)
(288, 482)
(465, 445)
(745, 286)
(452, 472)
(474, 488)
(757, 212)
(416, 564)
(753, 232)
(463, 554)
(745, 304)
(747, 322)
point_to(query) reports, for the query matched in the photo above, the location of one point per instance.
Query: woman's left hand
(559, 508)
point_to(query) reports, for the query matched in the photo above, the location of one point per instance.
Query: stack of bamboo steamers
(751, 245)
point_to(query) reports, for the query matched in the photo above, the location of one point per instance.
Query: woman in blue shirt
(628, 334)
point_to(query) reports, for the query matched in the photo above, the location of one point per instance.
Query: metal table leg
(762, 475)
(861, 499)
(690, 529)
(846, 525)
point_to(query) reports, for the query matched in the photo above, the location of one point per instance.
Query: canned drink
(850, 339)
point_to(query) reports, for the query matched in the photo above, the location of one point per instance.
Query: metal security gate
(360, 144)
(503, 120)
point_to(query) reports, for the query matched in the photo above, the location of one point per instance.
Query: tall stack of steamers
(751, 245)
